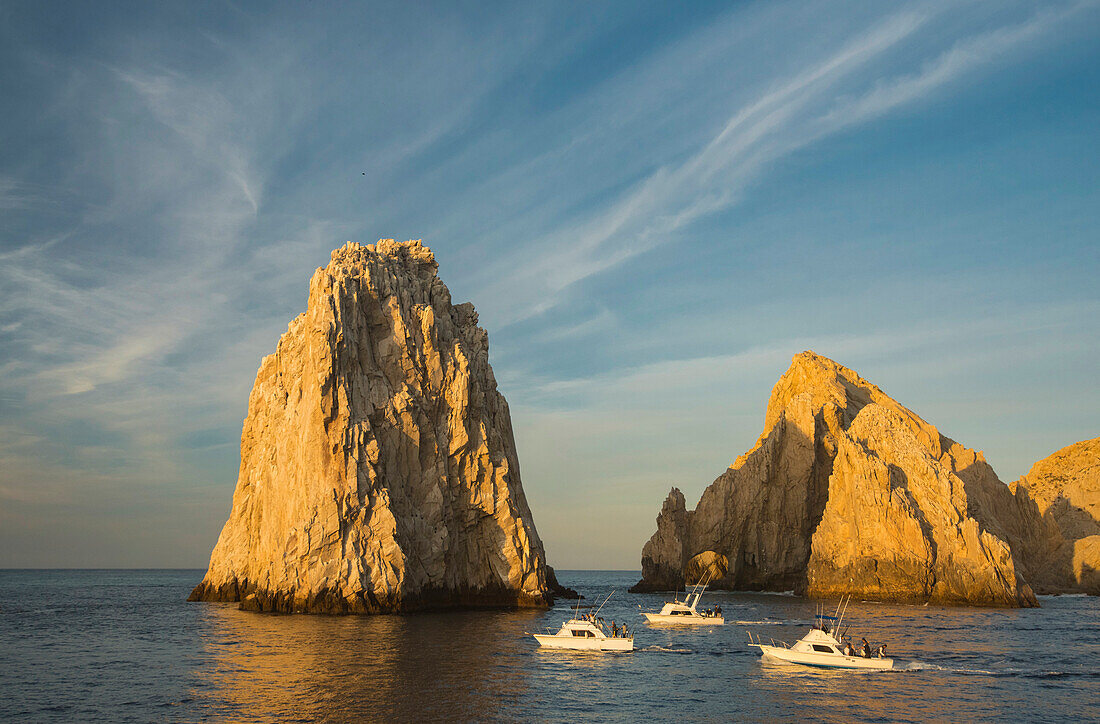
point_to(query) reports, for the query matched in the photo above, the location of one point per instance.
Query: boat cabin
(818, 641)
(581, 628)
(677, 609)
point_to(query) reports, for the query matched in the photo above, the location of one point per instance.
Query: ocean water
(125, 646)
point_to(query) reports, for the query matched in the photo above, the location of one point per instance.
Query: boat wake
(667, 650)
(1003, 672)
(763, 623)
(923, 666)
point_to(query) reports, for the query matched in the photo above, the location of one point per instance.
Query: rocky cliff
(846, 491)
(378, 468)
(1065, 488)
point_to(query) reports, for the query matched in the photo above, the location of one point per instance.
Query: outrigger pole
(603, 604)
(705, 581)
(841, 613)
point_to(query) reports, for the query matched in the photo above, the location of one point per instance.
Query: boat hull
(574, 643)
(827, 661)
(684, 620)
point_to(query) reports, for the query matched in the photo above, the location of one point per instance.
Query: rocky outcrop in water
(378, 468)
(846, 491)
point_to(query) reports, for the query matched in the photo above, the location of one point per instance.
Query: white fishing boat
(821, 647)
(586, 633)
(686, 611)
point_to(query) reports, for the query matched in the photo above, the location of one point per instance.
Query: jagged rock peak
(353, 256)
(378, 466)
(846, 491)
(831, 386)
(825, 382)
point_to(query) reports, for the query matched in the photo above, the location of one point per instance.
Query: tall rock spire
(378, 467)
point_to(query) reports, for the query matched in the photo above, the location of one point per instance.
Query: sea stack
(846, 491)
(378, 467)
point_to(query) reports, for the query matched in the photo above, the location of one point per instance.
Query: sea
(125, 646)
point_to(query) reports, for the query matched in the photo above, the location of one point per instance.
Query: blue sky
(652, 208)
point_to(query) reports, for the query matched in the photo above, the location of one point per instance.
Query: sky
(652, 206)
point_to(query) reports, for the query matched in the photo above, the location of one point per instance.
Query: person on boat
(614, 629)
(847, 647)
(880, 652)
(865, 650)
(718, 610)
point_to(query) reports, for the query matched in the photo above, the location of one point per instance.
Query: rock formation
(847, 491)
(1066, 485)
(1065, 488)
(378, 468)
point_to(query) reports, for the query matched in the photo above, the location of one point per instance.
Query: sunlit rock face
(1065, 488)
(378, 467)
(846, 491)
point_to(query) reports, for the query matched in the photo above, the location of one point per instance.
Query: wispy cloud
(140, 271)
(16, 194)
(655, 384)
(206, 120)
(963, 57)
(853, 85)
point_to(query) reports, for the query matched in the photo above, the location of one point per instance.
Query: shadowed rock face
(378, 468)
(845, 491)
(1065, 488)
